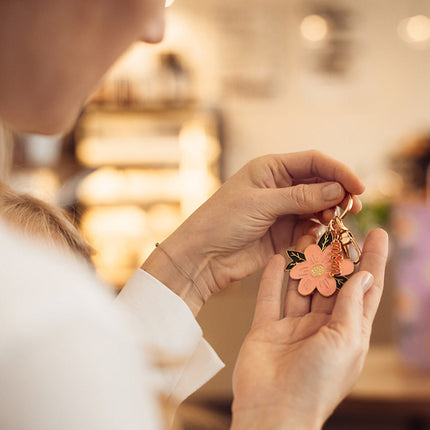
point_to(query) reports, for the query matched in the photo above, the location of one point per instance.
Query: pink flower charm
(315, 271)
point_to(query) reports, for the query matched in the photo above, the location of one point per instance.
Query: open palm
(293, 371)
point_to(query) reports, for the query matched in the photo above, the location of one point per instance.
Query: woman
(72, 358)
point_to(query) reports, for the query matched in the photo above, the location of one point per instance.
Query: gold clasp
(343, 234)
(348, 208)
(348, 239)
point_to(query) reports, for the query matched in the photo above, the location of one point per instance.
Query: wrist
(176, 264)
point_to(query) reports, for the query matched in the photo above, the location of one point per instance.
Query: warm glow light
(169, 3)
(127, 139)
(163, 219)
(197, 145)
(114, 221)
(127, 150)
(198, 151)
(415, 29)
(390, 184)
(113, 186)
(418, 28)
(314, 28)
(41, 183)
(119, 233)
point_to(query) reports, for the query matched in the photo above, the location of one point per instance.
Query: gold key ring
(348, 207)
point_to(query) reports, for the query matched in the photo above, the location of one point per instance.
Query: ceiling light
(415, 29)
(314, 28)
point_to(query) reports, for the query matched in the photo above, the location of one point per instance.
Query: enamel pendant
(326, 266)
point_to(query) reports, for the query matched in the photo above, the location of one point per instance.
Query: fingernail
(332, 192)
(367, 280)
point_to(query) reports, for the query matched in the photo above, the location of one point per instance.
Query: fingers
(302, 183)
(306, 227)
(302, 199)
(373, 260)
(353, 302)
(301, 165)
(281, 233)
(268, 306)
(356, 206)
(297, 305)
(321, 304)
(326, 215)
(348, 310)
(284, 232)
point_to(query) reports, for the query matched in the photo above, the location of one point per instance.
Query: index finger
(308, 164)
(268, 305)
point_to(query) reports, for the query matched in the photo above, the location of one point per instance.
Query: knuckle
(260, 161)
(300, 196)
(257, 166)
(315, 153)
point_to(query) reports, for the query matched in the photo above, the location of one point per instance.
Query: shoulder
(41, 289)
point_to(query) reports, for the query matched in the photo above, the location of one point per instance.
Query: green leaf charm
(325, 240)
(340, 280)
(296, 256)
(291, 265)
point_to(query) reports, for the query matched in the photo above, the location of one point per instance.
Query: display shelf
(149, 169)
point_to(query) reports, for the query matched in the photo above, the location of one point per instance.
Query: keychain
(325, 266)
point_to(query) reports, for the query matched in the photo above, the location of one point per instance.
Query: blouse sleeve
(167, 327)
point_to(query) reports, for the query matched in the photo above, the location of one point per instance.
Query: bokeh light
(415, 29)
(314, 28)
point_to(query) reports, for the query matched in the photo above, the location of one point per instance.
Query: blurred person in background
(72, 357)
(411, 161)
(410, 227)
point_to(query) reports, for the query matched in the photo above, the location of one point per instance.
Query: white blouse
(74, 357)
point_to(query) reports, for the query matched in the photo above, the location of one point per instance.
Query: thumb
(304, 199)
(348, 310)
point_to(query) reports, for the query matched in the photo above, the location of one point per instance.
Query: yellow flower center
(317, 270)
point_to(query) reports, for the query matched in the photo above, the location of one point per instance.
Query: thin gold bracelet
(158, 245)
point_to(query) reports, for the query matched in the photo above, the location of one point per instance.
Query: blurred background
(234, 80)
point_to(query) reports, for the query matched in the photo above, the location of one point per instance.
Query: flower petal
(346, 267)
(326, 286)
(300, 270)
(313, 254)
(307, 286)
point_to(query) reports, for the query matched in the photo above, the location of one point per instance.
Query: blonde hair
(39, 219)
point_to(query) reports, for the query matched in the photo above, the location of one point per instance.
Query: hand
(249, 219)
(292, 372)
